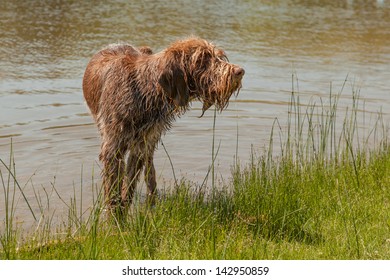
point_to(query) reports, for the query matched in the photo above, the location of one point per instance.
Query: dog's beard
(220, 103)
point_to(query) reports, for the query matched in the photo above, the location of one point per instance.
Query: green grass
(320, 190)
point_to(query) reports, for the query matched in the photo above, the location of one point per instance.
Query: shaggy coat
(135, 95)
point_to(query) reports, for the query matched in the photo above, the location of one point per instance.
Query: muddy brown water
(45, 46)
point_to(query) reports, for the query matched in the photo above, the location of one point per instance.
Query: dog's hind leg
(134, 166)
(113, 172)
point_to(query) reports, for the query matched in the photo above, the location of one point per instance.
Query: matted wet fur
(135, 95)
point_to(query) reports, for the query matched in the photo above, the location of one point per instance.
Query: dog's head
(196, 69)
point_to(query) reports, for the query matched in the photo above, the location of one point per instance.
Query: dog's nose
(238, 71)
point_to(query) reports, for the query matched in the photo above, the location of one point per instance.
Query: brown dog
(135, 95)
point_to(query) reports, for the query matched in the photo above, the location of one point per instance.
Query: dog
(134, 96)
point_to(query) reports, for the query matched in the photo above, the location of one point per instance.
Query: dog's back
(96, 73)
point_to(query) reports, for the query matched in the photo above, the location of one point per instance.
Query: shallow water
(45, 46)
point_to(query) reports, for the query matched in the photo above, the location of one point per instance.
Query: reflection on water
(45, 46)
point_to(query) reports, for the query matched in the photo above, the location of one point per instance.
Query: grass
(320, 190)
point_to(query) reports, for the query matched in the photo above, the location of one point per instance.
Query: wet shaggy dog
(135, 95)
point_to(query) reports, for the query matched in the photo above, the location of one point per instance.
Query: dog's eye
(224, 58)
(191, 85)
(221, 55)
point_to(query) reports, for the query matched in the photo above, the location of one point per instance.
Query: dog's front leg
(150, 180)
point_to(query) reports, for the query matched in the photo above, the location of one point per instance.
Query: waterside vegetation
(319, 190)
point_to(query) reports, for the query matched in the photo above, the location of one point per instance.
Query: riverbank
(320, 190)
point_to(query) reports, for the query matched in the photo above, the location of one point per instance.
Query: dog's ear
(174, 84)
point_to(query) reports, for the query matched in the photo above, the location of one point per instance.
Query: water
(45, 46)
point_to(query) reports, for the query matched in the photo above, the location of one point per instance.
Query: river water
(45, 46)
